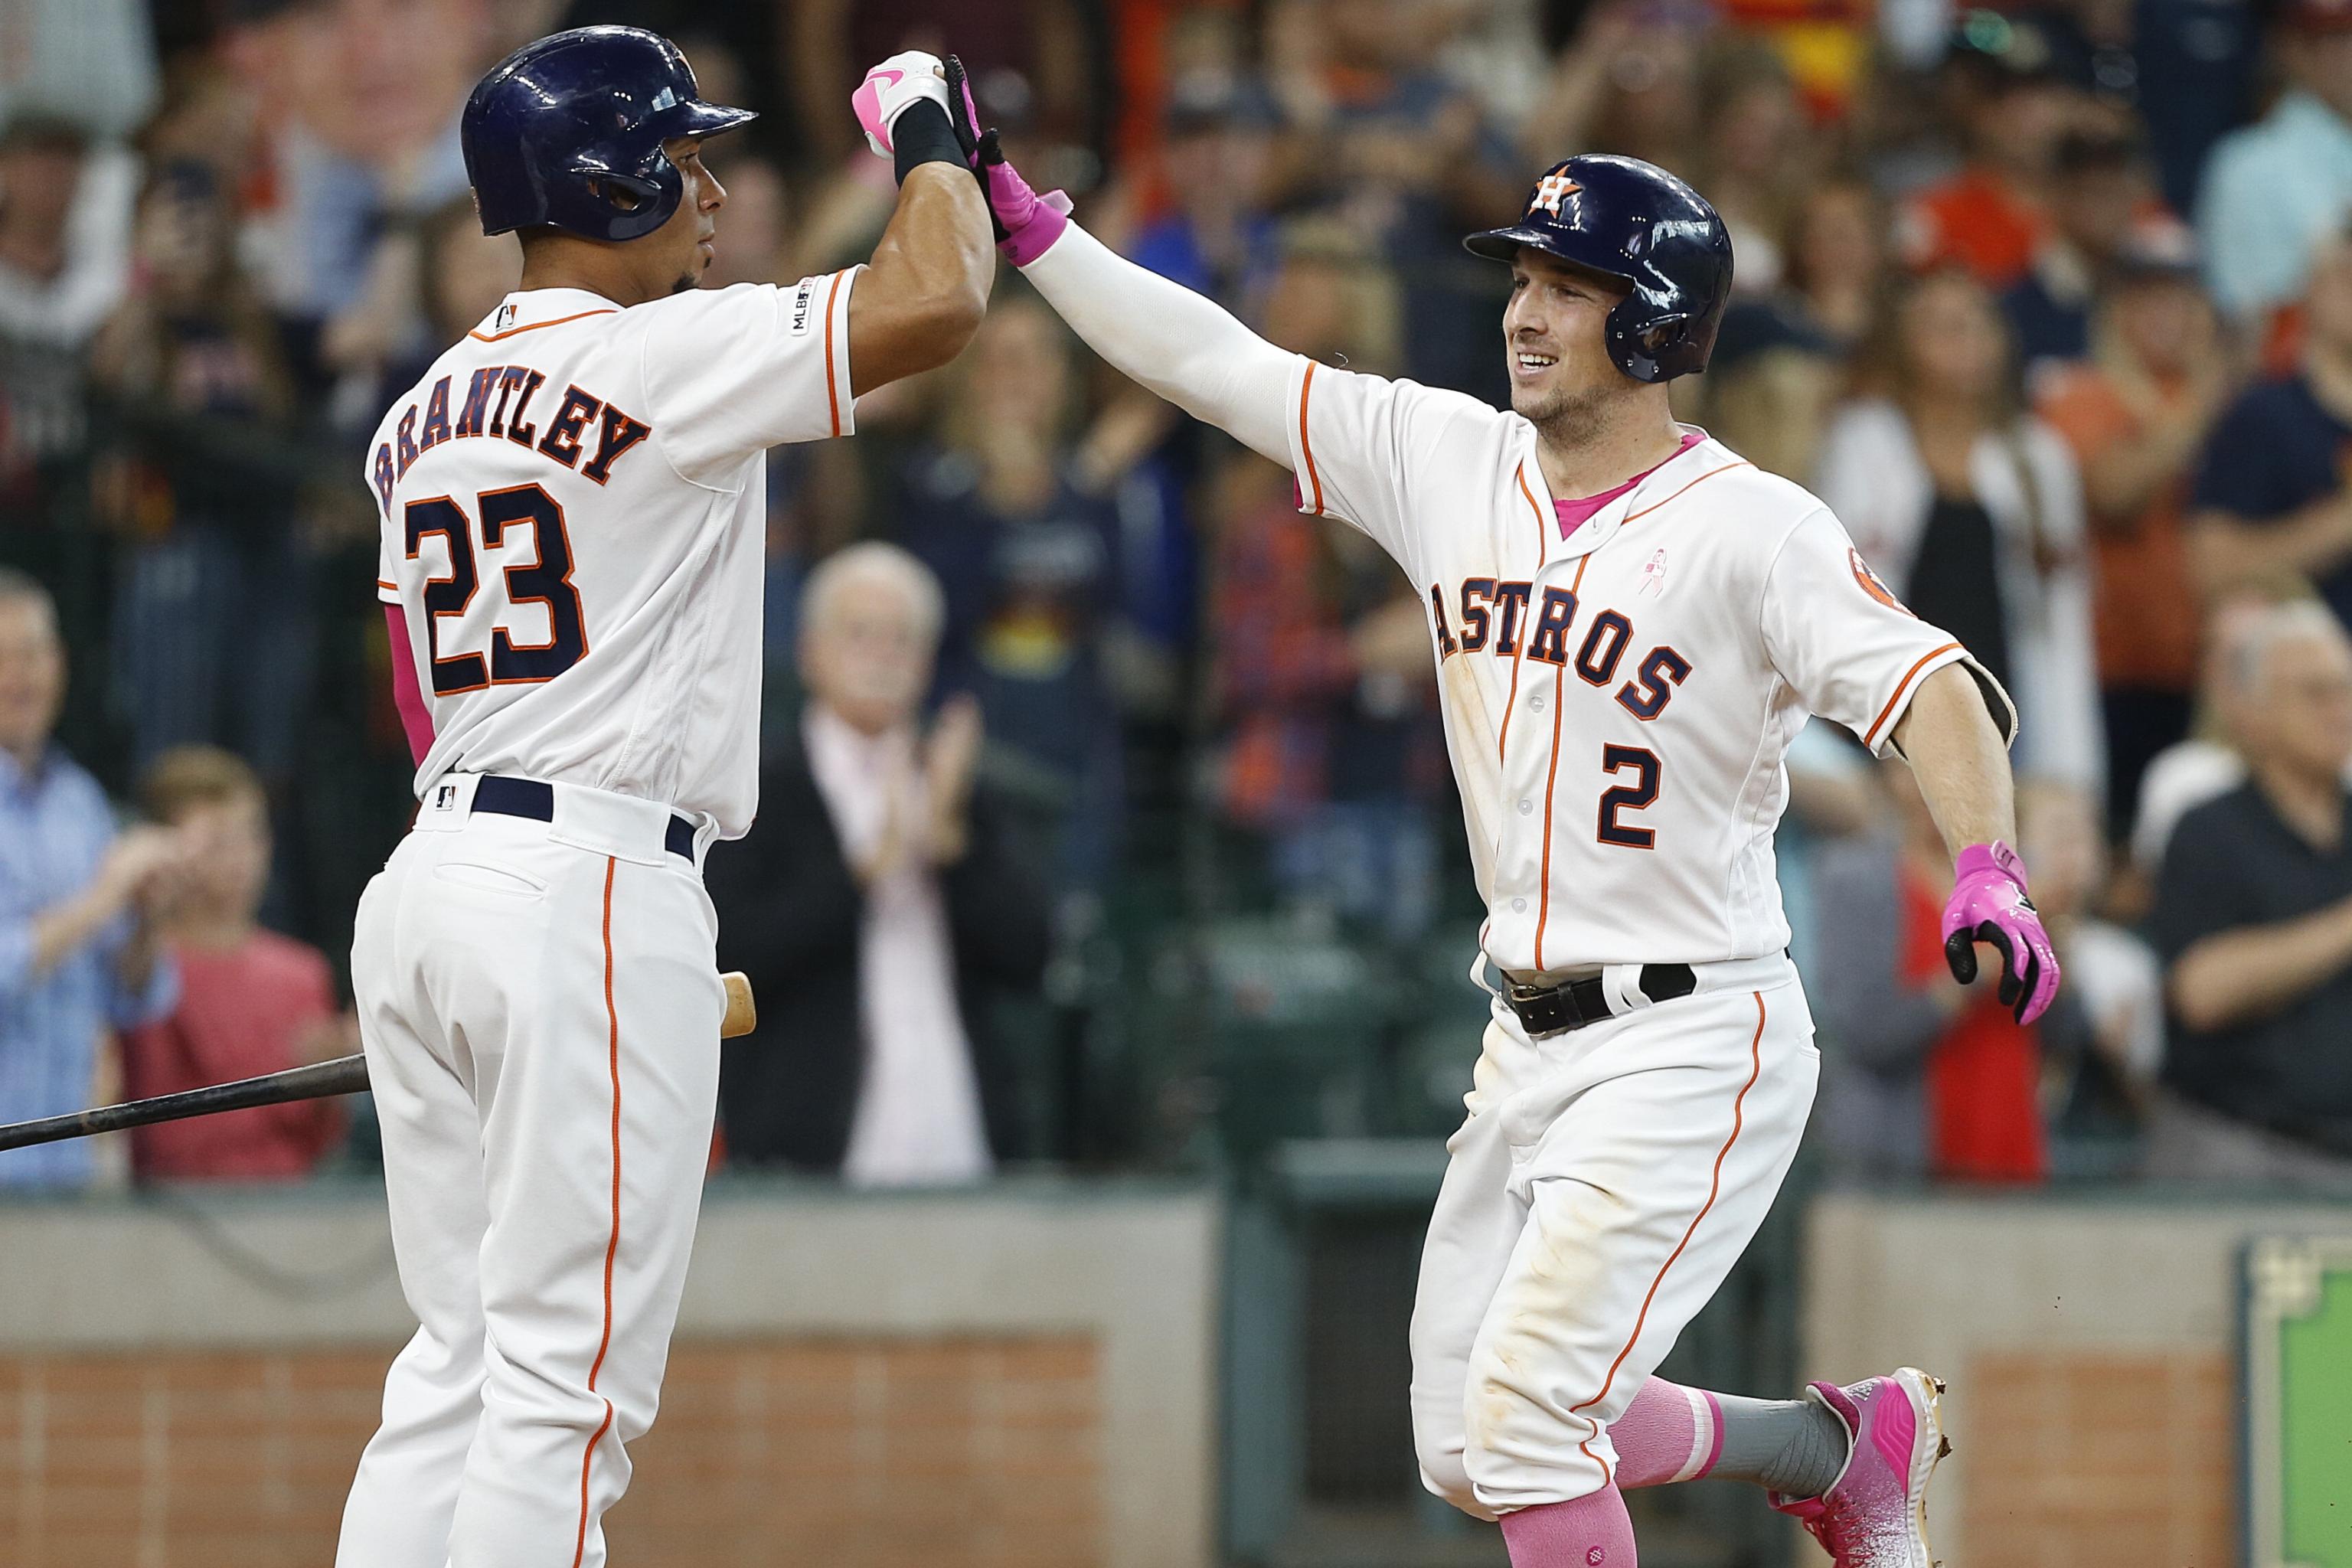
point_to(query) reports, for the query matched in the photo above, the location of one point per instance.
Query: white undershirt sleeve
(1188, 349)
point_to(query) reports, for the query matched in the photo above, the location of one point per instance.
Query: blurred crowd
(2052, 304)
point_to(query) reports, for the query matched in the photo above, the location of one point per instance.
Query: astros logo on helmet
(1550, 191)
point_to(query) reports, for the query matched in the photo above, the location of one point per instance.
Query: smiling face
(1554, 343)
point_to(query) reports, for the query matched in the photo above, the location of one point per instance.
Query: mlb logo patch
(503, 320)
(445, 797)
(1550, 191)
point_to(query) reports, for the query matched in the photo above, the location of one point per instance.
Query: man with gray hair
(2253, 922)
(877, 902)
(77, 949)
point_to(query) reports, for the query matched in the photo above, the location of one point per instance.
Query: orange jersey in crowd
(2143, 603)
(1975, 221)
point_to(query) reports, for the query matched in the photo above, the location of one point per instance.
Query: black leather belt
(535, 798)
(1555, 1009)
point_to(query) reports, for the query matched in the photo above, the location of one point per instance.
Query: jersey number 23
(547, 580)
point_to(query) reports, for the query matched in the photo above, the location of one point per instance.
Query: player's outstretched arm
(1188, 349)
(923, 295)
(1955, 749)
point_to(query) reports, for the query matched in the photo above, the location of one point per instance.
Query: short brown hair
(188, 777)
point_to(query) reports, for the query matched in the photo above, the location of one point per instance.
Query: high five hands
(1027, 224)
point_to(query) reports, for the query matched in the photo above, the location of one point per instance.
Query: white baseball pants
(1604, 1184)
(541, 1008)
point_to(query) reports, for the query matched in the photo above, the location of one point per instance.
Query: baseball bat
(321, 1081)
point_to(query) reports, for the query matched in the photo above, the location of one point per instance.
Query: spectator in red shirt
(1940, 1080)
(251, 1001)
(1991, 215)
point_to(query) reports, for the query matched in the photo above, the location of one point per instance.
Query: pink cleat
(1874, 1515)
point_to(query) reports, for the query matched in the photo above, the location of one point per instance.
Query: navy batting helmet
(1633, 222)
(568, 132)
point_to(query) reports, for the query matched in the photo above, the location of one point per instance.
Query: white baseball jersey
(1617, 702)
(573, 504)
(573, 520)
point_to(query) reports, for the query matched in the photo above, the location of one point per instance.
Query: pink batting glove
(1030, 223)
(1027, 224)
(963, 112)
(1989, 904)
(890, 89)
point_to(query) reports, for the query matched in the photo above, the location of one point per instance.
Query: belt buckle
(1520, 998)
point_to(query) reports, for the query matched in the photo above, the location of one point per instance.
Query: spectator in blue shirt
(1029, 553)
(1217, 238)
(77, 949)
(2273, 189)
(2099, 198)
(2273, 495)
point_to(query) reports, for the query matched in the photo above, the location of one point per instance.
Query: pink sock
(1590, 1533)
(1668, 1433)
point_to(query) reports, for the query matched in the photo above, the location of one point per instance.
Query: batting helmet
(1633, 222)
(568, 132)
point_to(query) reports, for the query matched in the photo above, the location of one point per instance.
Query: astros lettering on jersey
(1616, 702)
(559, 486)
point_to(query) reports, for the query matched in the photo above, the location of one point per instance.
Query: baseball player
(1630, 624)
(572, 533)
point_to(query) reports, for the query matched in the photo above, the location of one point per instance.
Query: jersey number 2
(1641, 792)
(546, 581)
